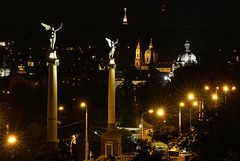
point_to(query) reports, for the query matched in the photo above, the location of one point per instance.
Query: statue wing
(47, 27)
(109, 42)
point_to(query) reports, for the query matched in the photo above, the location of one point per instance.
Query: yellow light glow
(206, 88)
(233, 88)
(150, 111)
(12, 139)
(61, 108)
(181, 104)
(190, 96)
(195, 103)
(83, 104)
(214, 96)
(225, 88)
(160, 112)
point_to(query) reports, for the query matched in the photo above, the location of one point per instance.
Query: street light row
(195, 103)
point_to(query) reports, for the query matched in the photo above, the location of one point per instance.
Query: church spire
(125, 21)
(150, 45)
(138, 61)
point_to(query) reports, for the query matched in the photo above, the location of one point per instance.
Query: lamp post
(190, 97)
(149, 111)
(181, 104)
(215, 98)
(225, 89)
(83, 105)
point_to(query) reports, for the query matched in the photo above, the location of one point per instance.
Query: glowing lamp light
(150, 111)
(206, 88)
(160, 112)
(214, 96)
(61, 108)
(181, 104)
(83, 104)
(233, 88)
(225, 88)
(190, 96)
(12, 139)
(195, 103)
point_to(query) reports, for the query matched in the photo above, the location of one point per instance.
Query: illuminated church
(142, 62)
(185, 59)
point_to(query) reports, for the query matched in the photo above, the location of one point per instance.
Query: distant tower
(138, 56)
(148, 53)
(125, 22)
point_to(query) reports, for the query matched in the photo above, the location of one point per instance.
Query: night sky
(207, 24)
(197, 14)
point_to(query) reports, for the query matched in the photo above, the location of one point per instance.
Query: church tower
(125, 21)
(138, 56)
(148, 53)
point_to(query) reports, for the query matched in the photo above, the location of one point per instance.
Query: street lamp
(181, 104)
(215, 98)
(206, 88)
(60, 108)
(160, 112)
(191, 96)
(225, 89)
(84, 105)
(12, 139)
(149, 111)
(195, 104)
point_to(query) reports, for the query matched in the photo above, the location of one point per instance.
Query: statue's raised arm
(59, 27)
(112, 45)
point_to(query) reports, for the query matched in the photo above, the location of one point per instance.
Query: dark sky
(204, 13)
(205, 22)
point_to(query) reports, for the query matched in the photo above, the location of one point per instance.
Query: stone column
(111, 139)
(111, 97)
(52, 139)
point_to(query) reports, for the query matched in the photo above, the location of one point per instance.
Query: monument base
(111, 144)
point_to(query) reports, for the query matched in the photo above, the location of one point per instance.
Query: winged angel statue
(52, 35)
(112, 45)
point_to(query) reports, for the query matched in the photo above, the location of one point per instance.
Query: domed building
(186, 59)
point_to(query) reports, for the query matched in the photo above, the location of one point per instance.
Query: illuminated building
(142, 62)
(125, 21)
(4, 70)
(185, 59)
